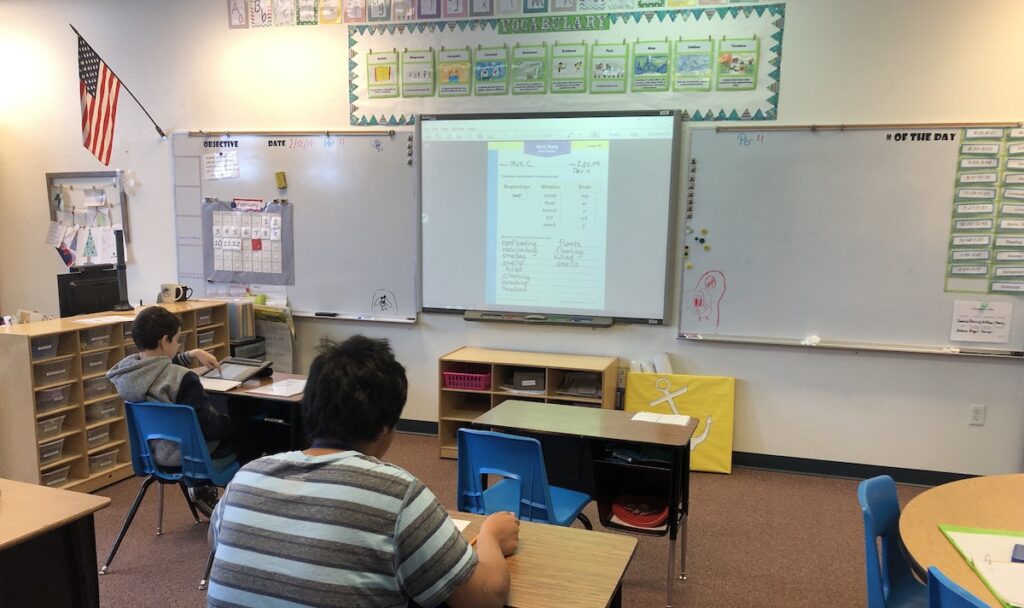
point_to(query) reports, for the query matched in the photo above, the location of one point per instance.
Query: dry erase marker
(472, 542)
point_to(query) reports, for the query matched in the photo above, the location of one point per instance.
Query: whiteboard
(355, 215)
(834, 238)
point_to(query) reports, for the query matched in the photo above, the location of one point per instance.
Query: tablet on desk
(238, 369)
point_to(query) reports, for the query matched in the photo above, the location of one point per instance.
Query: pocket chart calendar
(248, 242)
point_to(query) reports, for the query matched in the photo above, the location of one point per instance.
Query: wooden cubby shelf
(489, 370)
(62, 340)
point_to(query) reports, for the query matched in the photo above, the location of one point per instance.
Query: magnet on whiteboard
(689, 265)
(707, 247)
(703, 230)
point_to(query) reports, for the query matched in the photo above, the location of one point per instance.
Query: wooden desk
(47, 546)
(564, 567)
(264, 423)
(981, 502)
(613, 426)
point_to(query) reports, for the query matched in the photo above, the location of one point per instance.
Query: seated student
(335, 526)
(158, 372)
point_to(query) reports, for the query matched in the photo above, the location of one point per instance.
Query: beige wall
(873, 61)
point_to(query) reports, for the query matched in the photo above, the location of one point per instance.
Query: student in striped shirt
(334, 525)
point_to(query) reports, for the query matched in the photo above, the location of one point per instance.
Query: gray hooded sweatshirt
(161, 379)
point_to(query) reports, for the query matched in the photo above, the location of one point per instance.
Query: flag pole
(158, 129)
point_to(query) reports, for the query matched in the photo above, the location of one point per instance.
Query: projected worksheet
(547, 223)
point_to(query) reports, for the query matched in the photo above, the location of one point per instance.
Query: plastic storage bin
(96, 337)
(102, 410)
(105, 460)
(51, 373)
(204, 338)
(52, 398)
(94, 363)
(97, 436)
(49, 427)
(44, 346)
(96, 387)
(204, 317)
(127, 329)
(56, 477)
(48, 452)
(469, 376)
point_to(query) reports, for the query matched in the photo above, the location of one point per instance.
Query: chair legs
(206, 573)
(127, 522)
(160, 509)
(188, 499)
(585, 521)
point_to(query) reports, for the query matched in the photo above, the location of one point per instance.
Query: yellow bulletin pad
(709, 399)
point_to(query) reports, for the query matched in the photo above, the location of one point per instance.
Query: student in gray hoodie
(158, 372)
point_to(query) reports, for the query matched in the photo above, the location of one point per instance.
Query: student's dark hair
(355, 390)
(151, 325)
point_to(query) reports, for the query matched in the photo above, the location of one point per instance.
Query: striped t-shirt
(342, 529)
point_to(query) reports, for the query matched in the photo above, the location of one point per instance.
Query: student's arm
(196, 356)
(213, 425)
(489, 583)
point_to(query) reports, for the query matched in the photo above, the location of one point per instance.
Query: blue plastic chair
(944, 593)
(147, 421)
(524, 489)
(891, 583)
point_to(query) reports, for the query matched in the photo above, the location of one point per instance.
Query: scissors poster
(709, 399)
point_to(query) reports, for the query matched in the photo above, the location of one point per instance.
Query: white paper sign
(220, 165)
(978, 321)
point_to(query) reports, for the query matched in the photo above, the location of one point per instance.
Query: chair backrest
(944, 593)
(886, 568)
(519, 459)
(150, 420)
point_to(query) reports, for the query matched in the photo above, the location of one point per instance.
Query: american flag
(99, 88)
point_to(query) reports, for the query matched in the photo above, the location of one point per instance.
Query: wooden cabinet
(473, 380)
(61, 422)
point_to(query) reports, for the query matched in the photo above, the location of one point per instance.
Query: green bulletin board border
(359, 118)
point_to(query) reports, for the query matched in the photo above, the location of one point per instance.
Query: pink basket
(469, 377)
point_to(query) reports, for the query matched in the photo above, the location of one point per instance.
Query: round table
(995, 502)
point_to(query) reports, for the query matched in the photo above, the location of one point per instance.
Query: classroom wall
(872, 61)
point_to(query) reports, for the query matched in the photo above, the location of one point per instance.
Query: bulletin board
(351, 199)
(835, 237)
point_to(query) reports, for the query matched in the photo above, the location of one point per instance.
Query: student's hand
(202, 357)
(504, 527)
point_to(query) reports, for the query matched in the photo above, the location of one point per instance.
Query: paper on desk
(461, 524)
(102, 320)
(988, 552)
(283, 388)
(217, 384)
(662, 418)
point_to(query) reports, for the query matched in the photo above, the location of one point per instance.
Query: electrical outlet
(977, 414)
(620, 380)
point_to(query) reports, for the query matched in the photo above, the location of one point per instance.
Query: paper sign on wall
(979, 321)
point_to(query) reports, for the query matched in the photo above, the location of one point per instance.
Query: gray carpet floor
(756, 539)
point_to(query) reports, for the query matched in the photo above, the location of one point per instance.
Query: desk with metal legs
(257, 417)
(612, 427)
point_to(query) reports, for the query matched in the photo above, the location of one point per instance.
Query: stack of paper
(217, 385)
(662, 418)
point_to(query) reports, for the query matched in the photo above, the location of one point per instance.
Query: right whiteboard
(838, 236)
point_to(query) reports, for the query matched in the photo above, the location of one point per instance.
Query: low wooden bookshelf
(473, 380)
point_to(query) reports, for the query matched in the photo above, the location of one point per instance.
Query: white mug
(173, 292)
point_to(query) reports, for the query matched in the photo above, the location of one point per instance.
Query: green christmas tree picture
(89, 250)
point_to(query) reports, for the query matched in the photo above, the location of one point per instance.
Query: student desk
(264, 423)
(980, 502)
(47, 546)
(564, 567)
(612, 427)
